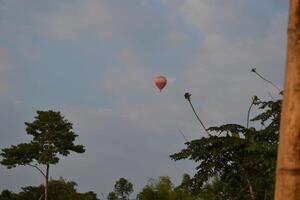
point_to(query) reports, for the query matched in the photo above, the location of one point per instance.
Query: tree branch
(253, 101)
(36, 167)
(248, 182)
(41, 196)
(263, 78)
(248, 114)
(187, 96)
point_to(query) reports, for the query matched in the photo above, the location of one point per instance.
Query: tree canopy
(58, 190)
(163, 189)
(237, 162)
(122, 190)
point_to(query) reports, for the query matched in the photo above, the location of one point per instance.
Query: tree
(288, 167)
(185, 184)
(8, 195)
(86, 196)
(238, 162)
(122, 189)
(214, 190)
(163, 189)
(58, 190)
(52, 136)
(112, 196)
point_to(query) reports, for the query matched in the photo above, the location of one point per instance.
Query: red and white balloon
(160, 82)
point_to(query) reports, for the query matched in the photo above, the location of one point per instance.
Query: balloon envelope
(160, 82)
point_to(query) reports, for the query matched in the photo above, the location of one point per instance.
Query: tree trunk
(288, 161)
(46, 182)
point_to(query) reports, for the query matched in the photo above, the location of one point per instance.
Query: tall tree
(52, 136)
(288, 167)
(122, 189)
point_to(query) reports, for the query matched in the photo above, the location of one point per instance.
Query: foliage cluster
(163, 189)
(52, 136)
(237, 162)
(122, 189)
(58, 190)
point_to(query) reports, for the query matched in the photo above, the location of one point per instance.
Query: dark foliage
(122, 190)
(52, 135)
(58, 190)
(239, 162)
(163, 189)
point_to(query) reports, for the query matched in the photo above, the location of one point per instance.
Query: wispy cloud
(129, 76)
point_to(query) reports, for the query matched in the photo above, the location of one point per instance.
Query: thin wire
(183, 135)
(269, 93)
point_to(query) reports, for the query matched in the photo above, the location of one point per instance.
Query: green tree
(31, 192)
(52, 136)
(214, 190)
(8, 195)
(112, 196)
(86, 196)
(185, 184)
(122, 190)
(163, 189)
(239, 160)
(58, 190)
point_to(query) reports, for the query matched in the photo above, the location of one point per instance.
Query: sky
(95, 62)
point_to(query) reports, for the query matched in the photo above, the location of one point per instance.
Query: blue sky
(95, 61)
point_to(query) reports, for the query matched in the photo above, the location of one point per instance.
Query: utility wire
(183, 135)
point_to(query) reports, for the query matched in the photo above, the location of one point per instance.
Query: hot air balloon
(160, 82)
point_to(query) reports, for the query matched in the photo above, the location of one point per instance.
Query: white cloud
(205, 15)
(94, 18)
(71, 20)
(129, 76)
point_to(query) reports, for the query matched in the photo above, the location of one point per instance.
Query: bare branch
(254, 99)
(36, 167)
(187, 96)
(263, 78)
